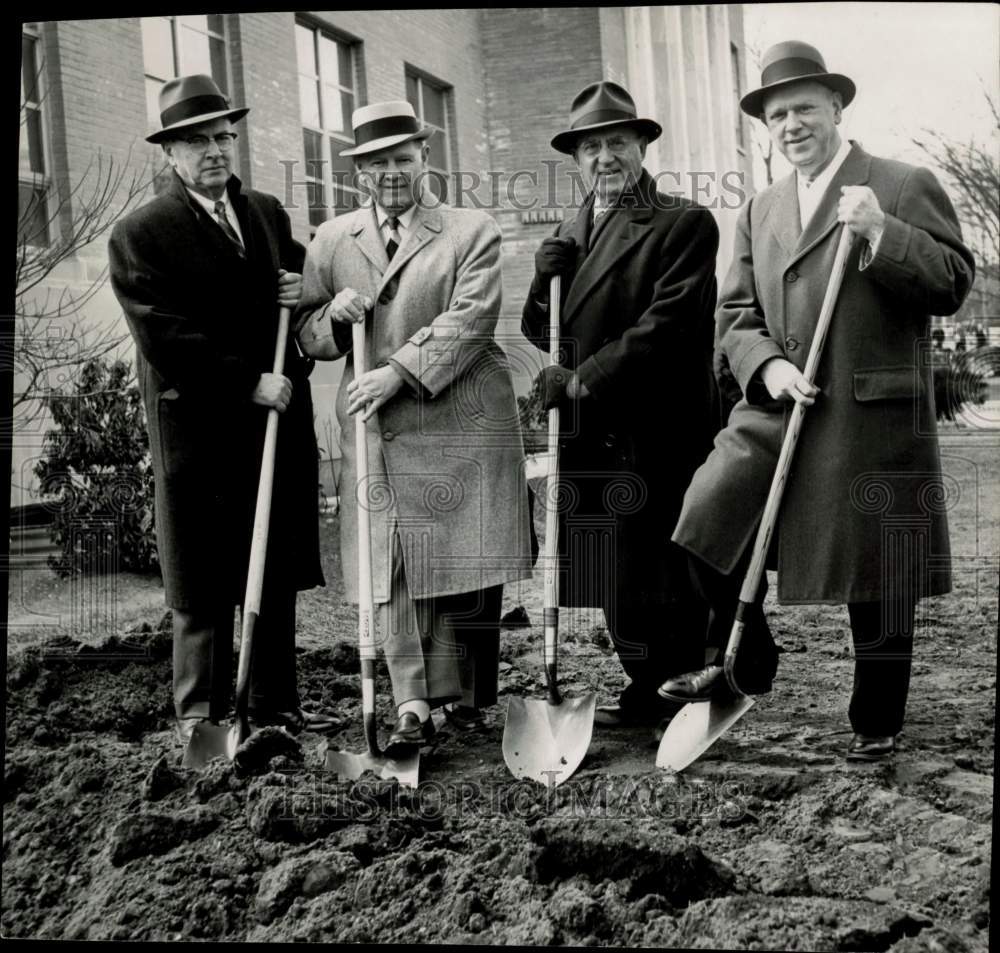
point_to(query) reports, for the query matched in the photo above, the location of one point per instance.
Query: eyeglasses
(224, 140)
(616, 145)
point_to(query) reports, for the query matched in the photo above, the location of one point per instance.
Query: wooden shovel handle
(550, 573)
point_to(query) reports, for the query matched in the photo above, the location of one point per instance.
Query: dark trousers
(203, 659)
(883, 645)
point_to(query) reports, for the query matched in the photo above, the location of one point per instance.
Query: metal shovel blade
(349, 766)
(210, 741)
(696, 727)
(546, 742)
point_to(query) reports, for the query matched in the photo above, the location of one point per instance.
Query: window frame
(329, 188)
(39, 182)
(447, 92)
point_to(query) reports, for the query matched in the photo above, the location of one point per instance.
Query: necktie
(599, 213)
(220, 217)
(393, 244)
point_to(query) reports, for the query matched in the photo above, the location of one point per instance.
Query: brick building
(496, 83)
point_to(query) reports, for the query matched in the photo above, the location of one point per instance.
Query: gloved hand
(555, 256)
(550, 385)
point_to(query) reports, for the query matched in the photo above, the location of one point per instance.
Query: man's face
(206, 163)
(802, 119)
(392, 176)
(610, 160)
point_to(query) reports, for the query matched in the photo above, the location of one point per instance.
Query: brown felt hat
(791, 62)
(598, 106)
(189, 100)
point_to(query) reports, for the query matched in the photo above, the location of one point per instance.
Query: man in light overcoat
(863, 519)
(447, 494)
(639, 403)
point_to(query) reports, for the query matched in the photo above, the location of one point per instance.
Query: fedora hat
(381, 125)
(792, 62)
(598, 106)
(189, 100)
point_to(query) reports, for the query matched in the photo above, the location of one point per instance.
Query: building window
(32, 169)
(179, 46)
(734, 59)
(430, 102)
(328, 95)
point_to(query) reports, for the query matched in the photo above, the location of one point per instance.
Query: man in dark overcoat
(863, 519)
(634, 379)
(200, 272)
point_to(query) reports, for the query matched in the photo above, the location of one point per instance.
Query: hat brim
(386, 142)
(168, 131)
(753, 103)
(566, 141)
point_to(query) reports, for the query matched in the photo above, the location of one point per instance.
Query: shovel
(210, 741)
(347, 765)
(699, 725)
(547, 740)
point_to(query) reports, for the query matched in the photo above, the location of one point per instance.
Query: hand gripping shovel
(698, 725)
(547, 740)
(212, 741)
(349, 766)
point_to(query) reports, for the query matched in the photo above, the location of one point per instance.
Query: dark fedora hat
(598, 106)
(792, 62)
(381, 125)
(189, 100)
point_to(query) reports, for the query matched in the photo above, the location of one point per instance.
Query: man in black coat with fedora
(201, 272)
(635, 383)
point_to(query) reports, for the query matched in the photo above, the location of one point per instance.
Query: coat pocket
(175, 433)
(888, 383)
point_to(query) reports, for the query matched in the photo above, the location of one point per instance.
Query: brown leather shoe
(410, 732)
(871, 747)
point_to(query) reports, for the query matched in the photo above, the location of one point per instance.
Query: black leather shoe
(700, 686)
(295, 721)
(464, 718)
(185, 728)
(871, 747)
(410, 731)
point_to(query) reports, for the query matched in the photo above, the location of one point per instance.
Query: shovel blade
(696, 727)
(349, 766)
(210, 741)
(546, 742)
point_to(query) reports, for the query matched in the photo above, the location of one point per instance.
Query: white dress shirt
(811, 190)
(209, 206)
(404, 220)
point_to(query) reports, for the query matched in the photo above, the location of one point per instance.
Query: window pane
(29, 70)
(195, 57)
(308, 101)
(345, 200)
(32, 216)
(342, 167)
(412, 94)
(215, 23)
(335, 118)
(434, 106)
(195, 22)
(317, 203)
(346, 66)
(157, 47)
(335, 61)
(217, 50)
(32, 156)
(313, 147)
(439, 151)
(304, 50)
(153, 87)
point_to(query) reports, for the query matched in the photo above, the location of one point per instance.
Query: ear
(425, 150)
(838, 104)
(643, 142)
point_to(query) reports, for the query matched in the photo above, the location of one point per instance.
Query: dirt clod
(149, 834)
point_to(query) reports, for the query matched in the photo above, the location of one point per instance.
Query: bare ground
(770, 841)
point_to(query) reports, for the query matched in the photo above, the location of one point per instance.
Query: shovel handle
(261, 525)
(762, 542)
(366, 603)
(550, 574)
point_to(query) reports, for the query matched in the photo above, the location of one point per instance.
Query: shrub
(96, 474)
(960, 380)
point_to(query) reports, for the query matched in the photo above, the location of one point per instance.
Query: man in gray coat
(863, 518)
(447, 492)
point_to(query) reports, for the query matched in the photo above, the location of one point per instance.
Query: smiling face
(610, 160)
(204, 170)
(393, 176)
(802, 119)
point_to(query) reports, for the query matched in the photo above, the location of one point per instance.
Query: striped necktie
(392, 245)
(220, 217)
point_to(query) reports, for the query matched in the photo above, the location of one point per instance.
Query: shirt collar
(404, 218)
(820, 182)
(209, 204)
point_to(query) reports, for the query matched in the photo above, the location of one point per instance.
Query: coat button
(387, 435)
(792, 276)
(791, 344)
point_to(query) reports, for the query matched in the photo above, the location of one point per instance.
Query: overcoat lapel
(854, 171)
(366, 235)
(785, 219)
